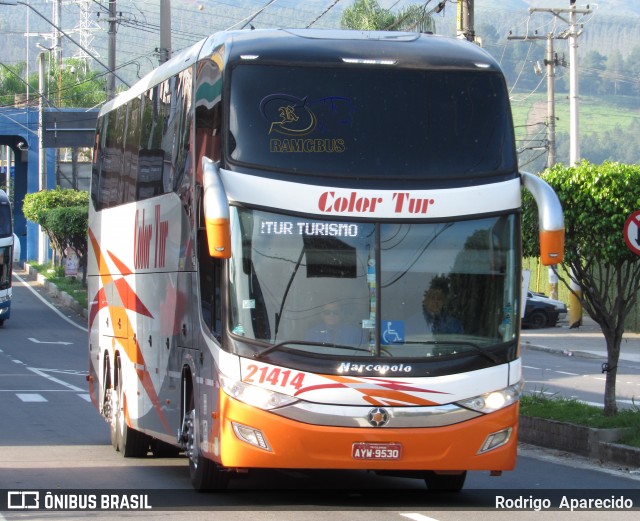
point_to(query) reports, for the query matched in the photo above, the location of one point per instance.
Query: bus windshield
(412, 124)
(318, 285)
(5, 266)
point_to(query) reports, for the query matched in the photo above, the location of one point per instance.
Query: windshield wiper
(488, 355)
(277, 346)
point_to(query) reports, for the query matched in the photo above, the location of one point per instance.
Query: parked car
(541, 311)
(559, 305)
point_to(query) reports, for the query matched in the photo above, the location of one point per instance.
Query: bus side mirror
(17, 252)
(550, 219)
(216, 211)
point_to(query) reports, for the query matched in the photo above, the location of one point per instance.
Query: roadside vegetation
(71, 285)
(573, 411)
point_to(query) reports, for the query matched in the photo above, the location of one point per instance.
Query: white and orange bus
(305, 253)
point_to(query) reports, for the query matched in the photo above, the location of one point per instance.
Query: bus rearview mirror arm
(550, 220)
(216, 211)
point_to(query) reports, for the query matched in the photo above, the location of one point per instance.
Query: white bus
(6, 256)
(305, 253)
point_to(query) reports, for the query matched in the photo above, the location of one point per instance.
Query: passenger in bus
(435, 318)
(333, 329)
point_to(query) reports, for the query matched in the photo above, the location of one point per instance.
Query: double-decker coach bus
(7, 245)
(305, 253)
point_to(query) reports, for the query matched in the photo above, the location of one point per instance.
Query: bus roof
(321, 47)
(331, 47)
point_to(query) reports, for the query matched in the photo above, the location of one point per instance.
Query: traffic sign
(632, 232)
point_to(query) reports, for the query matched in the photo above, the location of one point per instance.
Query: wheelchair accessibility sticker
(392, 332)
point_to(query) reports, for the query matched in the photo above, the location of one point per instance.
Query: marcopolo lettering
(346, 367)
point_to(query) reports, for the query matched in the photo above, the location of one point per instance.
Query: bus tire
(205, 475)
(445, 482)
(130, 442)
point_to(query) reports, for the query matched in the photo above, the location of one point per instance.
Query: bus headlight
(495, 400)
(255, 396)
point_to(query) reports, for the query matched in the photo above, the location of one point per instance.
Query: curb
(52, 290)
(595, 444)
(565, 352)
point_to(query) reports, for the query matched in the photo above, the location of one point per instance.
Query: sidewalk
(587, 340)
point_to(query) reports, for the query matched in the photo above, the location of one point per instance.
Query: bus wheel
(205, 474)
(445, 482)
(130, 442)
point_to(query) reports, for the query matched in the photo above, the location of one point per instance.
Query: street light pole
(42, 156)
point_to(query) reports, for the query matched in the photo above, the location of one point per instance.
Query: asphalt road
(579, 377)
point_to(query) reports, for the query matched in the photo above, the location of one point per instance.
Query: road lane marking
(564, 372)
(41, 372)
(62, 342)
(38, 391)
(53, 308)
(32, 397)
(418, 517)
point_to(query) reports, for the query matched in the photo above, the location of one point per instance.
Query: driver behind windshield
(332, 329)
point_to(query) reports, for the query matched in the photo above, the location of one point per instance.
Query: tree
(63, 215)
(367, 15)
(73, 85)
(591, 76)
(11, 83)
(596, 201)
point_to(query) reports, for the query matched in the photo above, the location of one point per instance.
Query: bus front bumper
(247, 437)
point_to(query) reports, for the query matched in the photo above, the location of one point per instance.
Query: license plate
(376, 451)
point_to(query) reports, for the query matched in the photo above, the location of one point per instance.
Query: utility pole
(574, 151)
(571, 34)
(551, 61)
(465, 23)
(165, 31)
(111, 79)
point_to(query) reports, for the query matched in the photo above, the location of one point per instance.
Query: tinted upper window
(377, 123)
(6, 228)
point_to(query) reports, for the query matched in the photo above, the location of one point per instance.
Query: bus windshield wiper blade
(277, 346)
(488, 355)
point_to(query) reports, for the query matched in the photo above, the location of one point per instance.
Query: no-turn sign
(632, 232)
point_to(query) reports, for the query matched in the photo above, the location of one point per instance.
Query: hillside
(614, 27)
